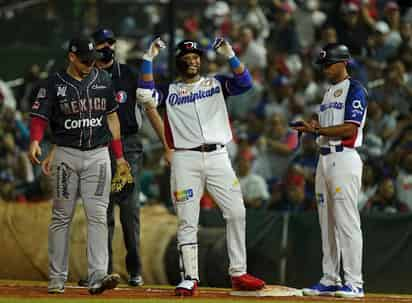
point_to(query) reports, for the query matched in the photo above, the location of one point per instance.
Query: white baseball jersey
(343, 102)
(196, 112)
(338, 184)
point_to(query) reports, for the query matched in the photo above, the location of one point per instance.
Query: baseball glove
(122, 182)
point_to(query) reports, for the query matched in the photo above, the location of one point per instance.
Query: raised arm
(149, 97)
(242, 80)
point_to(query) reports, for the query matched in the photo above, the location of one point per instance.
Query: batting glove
(154, 49)
(222, 47)
(146, 97)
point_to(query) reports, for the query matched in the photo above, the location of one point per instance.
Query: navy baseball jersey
(76, 110)
(125, 84)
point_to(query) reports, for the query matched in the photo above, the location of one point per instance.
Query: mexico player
(197, 128)
(342, 117)
(79, 106)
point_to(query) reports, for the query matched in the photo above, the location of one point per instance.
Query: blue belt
(327, 150)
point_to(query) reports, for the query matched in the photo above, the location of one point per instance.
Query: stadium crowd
(277, 40)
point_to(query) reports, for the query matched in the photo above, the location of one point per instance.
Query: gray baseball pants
(84, 174)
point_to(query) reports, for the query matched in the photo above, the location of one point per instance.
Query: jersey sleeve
(159, 91)
(355, 104)
(41, 105)
(236, 85)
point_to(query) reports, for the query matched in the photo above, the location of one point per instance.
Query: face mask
(108, 54)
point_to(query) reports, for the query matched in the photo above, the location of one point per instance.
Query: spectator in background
(404, 181)
(385, 200)
(253, 53)
(307, 160)
(276, 100)
(396, 90)
(306, 89)
(253, 186)
(275, 148)
(393, 18)
(351, 28)
(295, 199)
(257, 19)
(369, 185)
(284, 37)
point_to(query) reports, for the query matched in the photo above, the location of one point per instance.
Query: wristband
(147, 66)
(234, 62)
(117, 148)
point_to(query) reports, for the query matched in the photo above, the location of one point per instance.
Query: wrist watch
(316, 132)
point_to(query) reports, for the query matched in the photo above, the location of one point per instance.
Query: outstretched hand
(222, 47)
(154, 49)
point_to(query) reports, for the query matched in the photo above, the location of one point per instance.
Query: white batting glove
(222, 47)
(146, 97)
(154, 49)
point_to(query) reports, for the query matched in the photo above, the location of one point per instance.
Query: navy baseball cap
(84, 48)
(103, 35)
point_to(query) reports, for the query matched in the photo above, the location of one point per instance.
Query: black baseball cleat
(135, 280)
(83, 283)
(108, 282)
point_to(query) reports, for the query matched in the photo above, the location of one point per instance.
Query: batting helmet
(333, 53)
(188, 46)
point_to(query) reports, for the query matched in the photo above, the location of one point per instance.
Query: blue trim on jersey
(236, 85)
(146, 84)
(355, 103)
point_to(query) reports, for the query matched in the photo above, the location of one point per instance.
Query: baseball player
(339, 128)
(79, 105)
(197, 129)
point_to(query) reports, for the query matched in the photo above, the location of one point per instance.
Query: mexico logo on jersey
(61, 90)
(183, 195)
(121, 96)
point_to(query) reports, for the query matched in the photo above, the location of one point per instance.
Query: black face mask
(108, 54)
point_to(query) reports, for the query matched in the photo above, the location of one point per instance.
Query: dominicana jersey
(344, 102)
(196, 112)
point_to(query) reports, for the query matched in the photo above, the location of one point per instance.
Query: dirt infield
(10, 289)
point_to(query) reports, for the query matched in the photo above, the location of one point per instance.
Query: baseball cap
(103, 35)
(84, 48)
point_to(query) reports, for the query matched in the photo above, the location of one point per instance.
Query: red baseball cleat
(247, 282)
(186, 288)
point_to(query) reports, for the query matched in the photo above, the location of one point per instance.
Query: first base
(269, 291)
